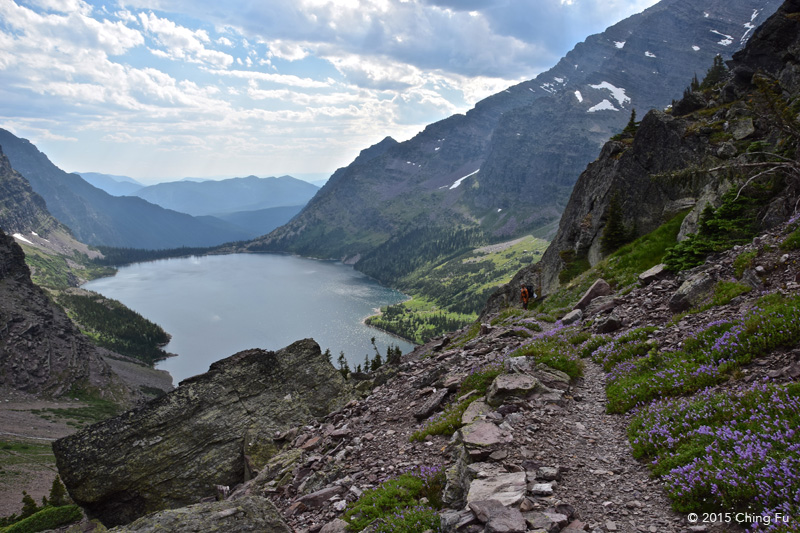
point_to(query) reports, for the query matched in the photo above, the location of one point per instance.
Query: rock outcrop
(251, 514)
(41, 350)
(680, 160)
(213, 430)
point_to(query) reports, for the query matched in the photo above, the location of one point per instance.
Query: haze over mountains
(508, 165)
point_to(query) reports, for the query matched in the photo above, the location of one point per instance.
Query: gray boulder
(598, 288)
(691, 292)
(253, 513)
(176, 449)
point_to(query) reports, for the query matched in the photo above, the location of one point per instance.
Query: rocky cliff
(41, 351)
(686, 158)
(212, 431)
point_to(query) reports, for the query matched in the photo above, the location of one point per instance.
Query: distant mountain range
(508, 165)
(255, 205)
(223, 197)
(113, 185)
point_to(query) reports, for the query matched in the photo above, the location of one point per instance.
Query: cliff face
(667, 166)
(41, 351)
(21, 209)
(209, 431)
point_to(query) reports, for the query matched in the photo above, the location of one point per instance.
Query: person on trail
(524, 296)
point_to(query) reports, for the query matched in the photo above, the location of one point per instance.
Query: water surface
(215, 306)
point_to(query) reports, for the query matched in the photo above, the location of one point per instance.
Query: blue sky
(166, 89)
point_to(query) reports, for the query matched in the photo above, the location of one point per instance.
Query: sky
(166, 89)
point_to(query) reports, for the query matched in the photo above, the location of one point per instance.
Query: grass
(621, 268)
(46, 519)
(709, 356)
(449, 420)
(556, 349)
(79, 417)
(395, 504)
(448, 296)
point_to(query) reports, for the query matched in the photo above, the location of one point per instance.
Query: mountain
(508, 165)
(95, 217)
(41, 351)
(228, 196)
(262, 221)
(113, 185)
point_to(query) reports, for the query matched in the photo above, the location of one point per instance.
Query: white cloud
(182, 43)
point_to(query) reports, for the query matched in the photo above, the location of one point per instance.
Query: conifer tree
(614, 234)
(29, 506)
(58, 492)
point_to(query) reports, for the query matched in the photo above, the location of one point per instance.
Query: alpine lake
(216, 306)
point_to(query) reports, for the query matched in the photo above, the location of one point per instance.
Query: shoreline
(390, 333)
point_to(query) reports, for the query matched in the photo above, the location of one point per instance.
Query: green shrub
(386, 502)
(792, 242)
(47, 518)
(725, 291)
(743, 262)
(410, 520)
(554, 349)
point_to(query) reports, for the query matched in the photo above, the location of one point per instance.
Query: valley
(651, 384)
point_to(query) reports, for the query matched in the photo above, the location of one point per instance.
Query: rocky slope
(41, 351)
(538, 451)
(210, 432)
(689, 154)
(528, 143)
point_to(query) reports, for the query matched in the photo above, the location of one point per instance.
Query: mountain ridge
(413, 184)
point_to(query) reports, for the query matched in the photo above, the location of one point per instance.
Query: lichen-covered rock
(249, 514)
(176, 449)
(506, 385)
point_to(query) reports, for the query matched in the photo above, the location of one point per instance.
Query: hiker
(525, 296)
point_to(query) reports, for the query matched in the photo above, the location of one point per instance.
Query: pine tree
(344, 368)
(614, 234)
(58, 493)
(29, 506)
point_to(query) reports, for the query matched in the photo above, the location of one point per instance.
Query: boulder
(507, 385)
(249, 514)
(652, 274)
(497, 517)
(608, 324)
(508, 489)
(481, 437)
(431, 405)
(475, 411)
(598, 288)
(176, 449)
(691, 292)
(576, 315)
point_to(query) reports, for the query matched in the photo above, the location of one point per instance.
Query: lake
(215, 306)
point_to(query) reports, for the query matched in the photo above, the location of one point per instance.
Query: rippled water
(216, 306)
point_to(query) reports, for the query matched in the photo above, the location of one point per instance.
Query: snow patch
(706, 15)
(619, 44)
(605, 105)
(459, 180)
(618, 94)
(20, 237)
(579, 96)
(754, 15)
(696, 48)
(559, 80)
(437, 148)
(548, 87)
(499, 209)
(727, 40)
(649, 54)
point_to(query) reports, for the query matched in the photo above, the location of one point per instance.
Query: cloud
(181, 43)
